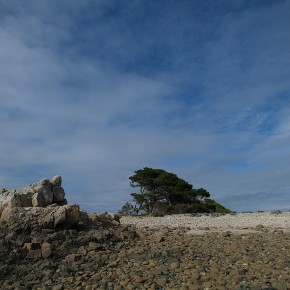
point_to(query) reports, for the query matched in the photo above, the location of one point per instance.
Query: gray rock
(259, 227)
(73, 214)
(38, 200)
(56, 180)
(44, 194)
(66, 216)
(26, 195)
(9, 200)
(46, 250)
(59, 217)
(58, 194)
(63, 202)
(115, 217)
(40, 194)
(84, 217)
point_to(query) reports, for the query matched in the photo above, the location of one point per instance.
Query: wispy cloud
(96, 90)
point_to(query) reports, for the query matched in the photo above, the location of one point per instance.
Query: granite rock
(58, 194)
(56, 180)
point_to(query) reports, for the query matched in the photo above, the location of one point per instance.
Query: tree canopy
(162, 192)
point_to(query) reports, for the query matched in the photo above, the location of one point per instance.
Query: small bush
(196, 207)
(216, 207)
(128, 209)
(162, 209)
(276, 212)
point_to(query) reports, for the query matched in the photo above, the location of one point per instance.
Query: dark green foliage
(161, 192)
(218, 207)
(276, 212)
(128, 209)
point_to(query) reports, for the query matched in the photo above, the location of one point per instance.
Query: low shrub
(276, 212)
(216, 207)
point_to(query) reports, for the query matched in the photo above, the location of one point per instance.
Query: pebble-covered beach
(242, 251)
(233, 251)
(213, 221)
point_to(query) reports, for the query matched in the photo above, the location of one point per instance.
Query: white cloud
(199, 110)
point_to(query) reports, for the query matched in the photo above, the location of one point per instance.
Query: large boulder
(66, 216)
(58, 191)
(9, 200)
(26, 195)
(50, 217)
(58, 194)
(36, 194)
(43, 193)
(56, 180)
(40, 194)
(43, 204)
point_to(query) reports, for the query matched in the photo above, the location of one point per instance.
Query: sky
(95, 90)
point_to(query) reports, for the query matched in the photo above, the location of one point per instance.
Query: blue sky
(94, 90)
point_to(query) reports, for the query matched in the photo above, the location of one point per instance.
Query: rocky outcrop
(9, 202)
(39, 195)
(160, 258)
(41, 236)
(42, 193)
(43, 203)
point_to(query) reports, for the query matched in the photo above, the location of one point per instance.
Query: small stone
(259, 227)
(93, 246)
(206, 285)
(160, 239)
(33, 254)
(124, 283)
(174, 265)
(161, 281)
(195, 275)
(57, 287)
(226, 234)
(46, 250)
(72, 258)
(138, 279)
(32, 246)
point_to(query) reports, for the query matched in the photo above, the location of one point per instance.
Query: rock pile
(37, 257)
(40, 194)
(43, 203)
(42, 237)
